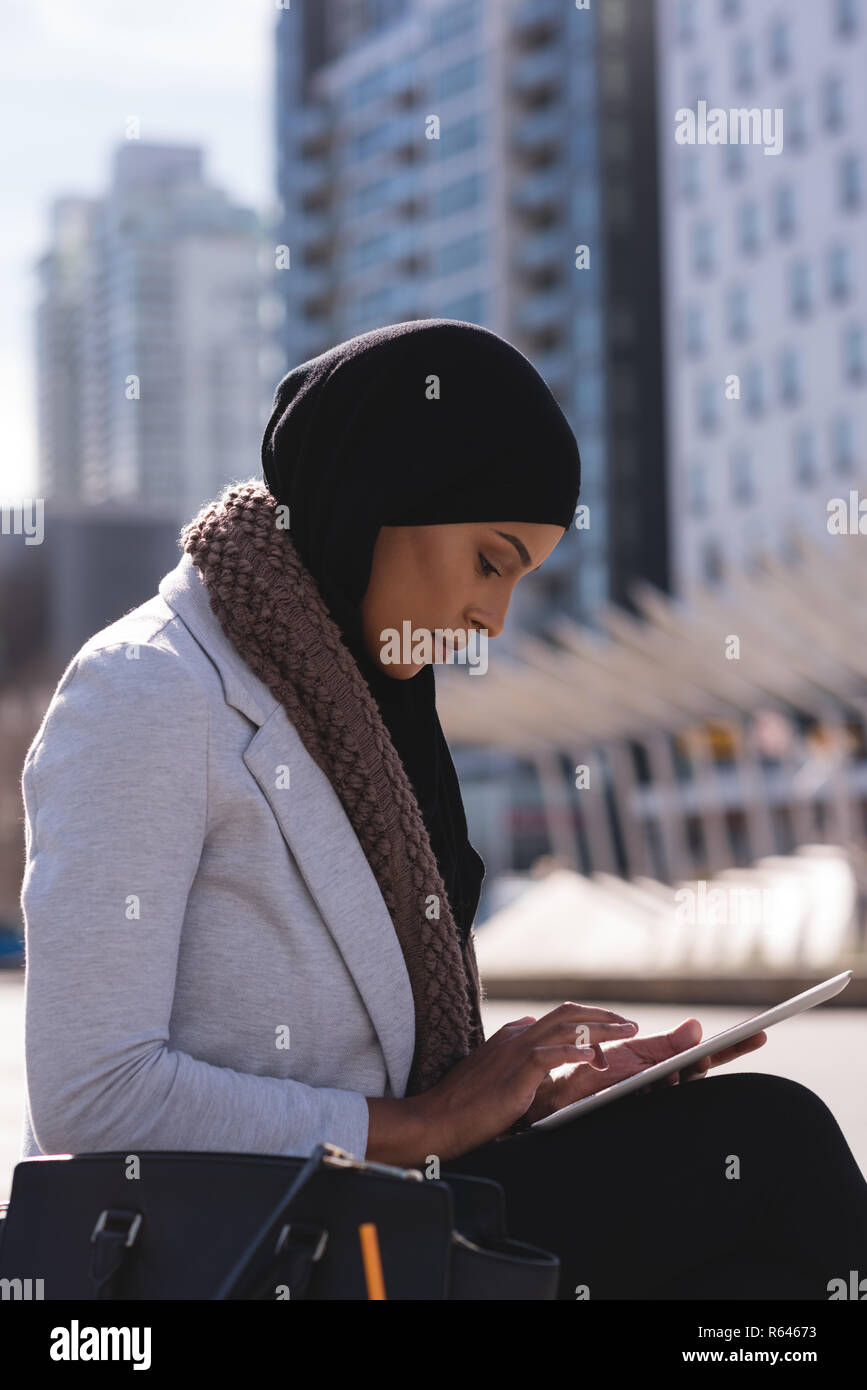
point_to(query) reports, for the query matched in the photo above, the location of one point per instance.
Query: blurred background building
(765, 259)
(149, 387)
(493, 162)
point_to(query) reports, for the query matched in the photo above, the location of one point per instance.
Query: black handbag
(251, 1226)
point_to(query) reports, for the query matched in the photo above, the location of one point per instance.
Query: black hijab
(428, 421)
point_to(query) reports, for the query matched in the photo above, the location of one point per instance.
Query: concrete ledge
(762, 990)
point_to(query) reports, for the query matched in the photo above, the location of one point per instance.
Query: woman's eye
(487, 567)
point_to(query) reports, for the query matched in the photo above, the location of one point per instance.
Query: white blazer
(210, 963)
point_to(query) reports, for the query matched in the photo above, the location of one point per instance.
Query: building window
(702, 247)
(790, 376)
(460, 254)
(738, 309)
(615, 17)
(832, 102)
(367, 88)
(754, 388)
(685, 21)
(381, 13)
(615, 78)
(374, 304)
(369, 196)
(367, 142)
(800, 288)
(804, 450)
(843, 444)
(846, 17)
(748, 226)
(587, 333)
(690, 169)
(839, 273)
(854, 357)
(457, 19)
(796, 121)
(849, 174)
(784, 210)
(708, 406)
(735, 156)
(698, 489)
(590, 396)
(696, 85)
(712, 567)
(457, 136)
(469, 308)
(743, 484)
(780, 45)
(458, 78)
(463, 193)
(368, 252)
(585, 204)
(744, 64)
(694, 341)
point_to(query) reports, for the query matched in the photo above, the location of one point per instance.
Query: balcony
(538, 133)
(539, 74)
(312, 232)
(540, 196)
(312, 127)
(536, 20)
(546, 251)
(543, 313)
(314, 280)
(312, 182)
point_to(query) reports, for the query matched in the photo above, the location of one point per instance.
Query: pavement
(825, 1049)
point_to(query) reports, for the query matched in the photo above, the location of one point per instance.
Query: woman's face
(458, 576)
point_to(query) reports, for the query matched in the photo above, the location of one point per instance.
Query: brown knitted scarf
(272, 612)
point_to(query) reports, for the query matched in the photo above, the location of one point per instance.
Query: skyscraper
(148, 337)
(765, 272)
(492, 162)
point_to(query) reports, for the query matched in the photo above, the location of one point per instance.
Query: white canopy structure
(749, 702)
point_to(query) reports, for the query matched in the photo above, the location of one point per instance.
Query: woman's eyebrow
(519, 546)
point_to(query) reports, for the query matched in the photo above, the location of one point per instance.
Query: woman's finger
(728, 1054)
(582, 1013)
(697, 1070)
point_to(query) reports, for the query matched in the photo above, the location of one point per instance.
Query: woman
(249, 891)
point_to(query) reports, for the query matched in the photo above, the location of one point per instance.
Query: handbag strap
(306, 1253)
(113, 1238)
(297, 1246)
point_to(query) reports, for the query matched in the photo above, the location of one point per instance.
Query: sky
(71, 72)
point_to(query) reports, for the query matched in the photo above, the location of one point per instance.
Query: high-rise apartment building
(492, 161)
(150, 389)
(765, 272)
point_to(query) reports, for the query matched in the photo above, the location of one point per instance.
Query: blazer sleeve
(115, 795)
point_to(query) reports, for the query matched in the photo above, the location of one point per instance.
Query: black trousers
(735, 1186)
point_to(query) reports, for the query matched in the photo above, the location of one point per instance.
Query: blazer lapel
(357, 918)
(360, 921)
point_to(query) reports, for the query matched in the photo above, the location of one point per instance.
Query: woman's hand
(490, 1089)
(629, 1056)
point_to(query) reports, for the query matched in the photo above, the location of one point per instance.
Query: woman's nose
(493, 620)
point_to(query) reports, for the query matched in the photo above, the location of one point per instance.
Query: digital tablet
(757, 1024)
